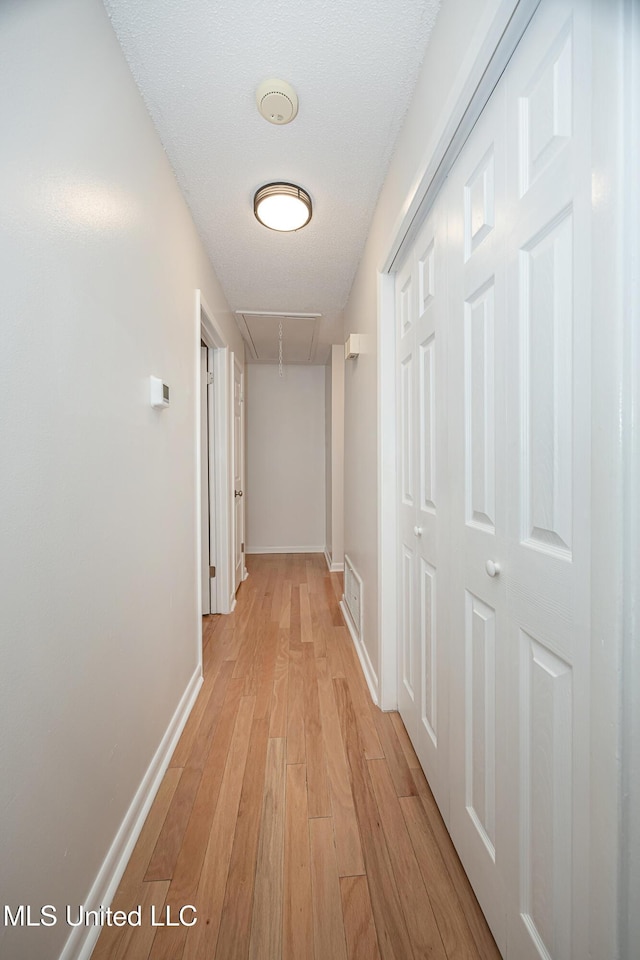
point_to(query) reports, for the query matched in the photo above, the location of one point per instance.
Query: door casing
(220, 462)
(207, 501)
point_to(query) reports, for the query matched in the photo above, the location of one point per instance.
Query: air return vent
(351, 606)
(353, 594)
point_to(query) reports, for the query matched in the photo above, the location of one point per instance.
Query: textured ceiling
(353, 64)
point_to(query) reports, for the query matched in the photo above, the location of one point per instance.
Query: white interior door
(480, 802)
(547, 567)
(204, 478)
(421, 351)
(519, 213)
(207, 482)
(238, 474)
(505, 538)
(408, 667)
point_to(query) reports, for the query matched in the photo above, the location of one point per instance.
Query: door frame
(630, 830)
(615, 873)
(208, 330)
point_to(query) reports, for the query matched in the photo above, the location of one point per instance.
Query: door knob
(238, 493)
(492, 568)
(417, 531)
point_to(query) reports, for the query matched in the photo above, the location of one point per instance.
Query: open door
(207, 485)
(238, 474)
(214, 447)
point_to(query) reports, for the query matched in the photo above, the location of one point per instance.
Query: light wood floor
(294, 814)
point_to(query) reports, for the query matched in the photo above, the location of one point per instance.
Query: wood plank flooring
(294, 815)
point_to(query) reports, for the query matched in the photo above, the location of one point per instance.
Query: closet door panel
(549, 388)
(480, 803)
(408, 485)
(421, 366)
(432, 513)
(494, 386)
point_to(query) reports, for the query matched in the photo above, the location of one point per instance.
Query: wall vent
(353, 594)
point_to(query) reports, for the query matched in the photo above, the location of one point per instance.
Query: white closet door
(547, 569)
(432, 511)
(480, 804)
(494, 387)
(520, 465)
(421, 301)
(408, 665)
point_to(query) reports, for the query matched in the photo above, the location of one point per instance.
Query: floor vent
(353, 594)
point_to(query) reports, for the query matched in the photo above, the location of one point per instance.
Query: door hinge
(242, 547)
(209, 378)
(212, 571)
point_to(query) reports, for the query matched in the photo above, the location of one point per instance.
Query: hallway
(294, 815)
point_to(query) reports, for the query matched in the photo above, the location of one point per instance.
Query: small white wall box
(159, 393)
(353, 346)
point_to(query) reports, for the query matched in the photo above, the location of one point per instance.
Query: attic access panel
(261, 333)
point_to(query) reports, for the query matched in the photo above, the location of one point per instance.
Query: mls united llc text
(25, 915)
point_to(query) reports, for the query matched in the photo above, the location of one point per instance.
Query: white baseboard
(361, 650)
(333, 567)
(82, 939)
(284, 550)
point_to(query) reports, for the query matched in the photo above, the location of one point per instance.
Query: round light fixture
(282, 206)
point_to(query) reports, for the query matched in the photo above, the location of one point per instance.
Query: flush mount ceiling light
(282, 206)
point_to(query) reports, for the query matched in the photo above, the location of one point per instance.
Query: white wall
(98, 576)
(457, 33)
(285, 458)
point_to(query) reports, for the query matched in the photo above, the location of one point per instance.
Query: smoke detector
(277, 101)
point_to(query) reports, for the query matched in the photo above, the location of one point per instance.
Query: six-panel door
(494, 441)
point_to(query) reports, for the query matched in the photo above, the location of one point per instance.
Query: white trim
(630, 828)
(81, 940)
(283, 549)
(333, 567)
(614, 658)
(208, 329)
(361, 650)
